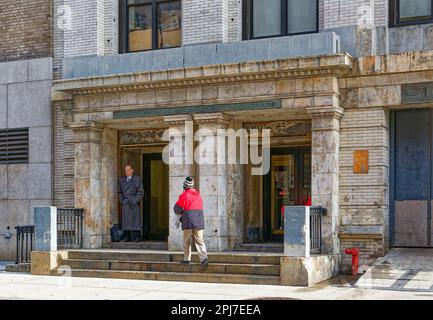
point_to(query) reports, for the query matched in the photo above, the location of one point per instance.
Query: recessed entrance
(148, 164)
(288, 183)
(156, 204)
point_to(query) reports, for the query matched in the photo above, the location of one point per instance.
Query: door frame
(146, 174)
(298, 153)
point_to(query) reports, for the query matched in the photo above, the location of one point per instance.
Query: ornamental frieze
(283, 128)
(141, 137)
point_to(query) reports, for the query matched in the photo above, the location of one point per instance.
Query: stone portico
(299, 90)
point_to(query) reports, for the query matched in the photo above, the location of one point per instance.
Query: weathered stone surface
(29, 104)
(45, 229)
(3, 106)
(3, 183)
(42, 262)
(308, 271)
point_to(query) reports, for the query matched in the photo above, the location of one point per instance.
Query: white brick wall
(204, 21)
(343, 13)
(94, 23)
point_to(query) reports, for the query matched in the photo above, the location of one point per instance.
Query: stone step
(146, 245)
(225, 268)
(175, 276)
(260, 247)
(167, 256)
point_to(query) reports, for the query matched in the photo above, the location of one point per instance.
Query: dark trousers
(132, 235)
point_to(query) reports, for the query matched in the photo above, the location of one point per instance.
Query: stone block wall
(25, 102)
(25, 29)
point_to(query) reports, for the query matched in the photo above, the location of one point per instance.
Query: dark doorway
(411, 178)
(288, 183)
(156, 204)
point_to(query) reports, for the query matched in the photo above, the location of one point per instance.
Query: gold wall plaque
(360, 161)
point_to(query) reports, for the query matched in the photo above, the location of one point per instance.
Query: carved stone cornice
(326, 112)
(331, 65)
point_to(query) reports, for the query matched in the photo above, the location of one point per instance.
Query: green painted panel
(417, 93)
(272, 104)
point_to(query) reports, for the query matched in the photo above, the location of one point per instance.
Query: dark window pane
(169, 24)
(140, 28)
(301, 16)
(266, 18)
(415, 10)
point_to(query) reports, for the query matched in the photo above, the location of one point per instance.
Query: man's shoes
(137, 240)
(185, 262)
(126, 240)
(205, 262)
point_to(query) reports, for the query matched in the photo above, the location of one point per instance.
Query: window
(410, 12)
(274, 18)
(14, 146)
(150, 24)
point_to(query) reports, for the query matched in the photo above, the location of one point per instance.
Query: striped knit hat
(189, 183)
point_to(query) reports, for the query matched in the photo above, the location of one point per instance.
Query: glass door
(287, 184)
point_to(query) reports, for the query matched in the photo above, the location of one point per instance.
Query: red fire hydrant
(355, 259)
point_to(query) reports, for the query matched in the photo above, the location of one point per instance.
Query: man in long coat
(131, 193)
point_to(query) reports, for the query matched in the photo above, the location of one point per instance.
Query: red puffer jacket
(190, 206)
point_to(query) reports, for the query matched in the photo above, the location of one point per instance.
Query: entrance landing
(144, 245)
(403, 269)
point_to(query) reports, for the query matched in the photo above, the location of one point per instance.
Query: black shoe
(205, 262)
(185, 262)
(126, 240)
(137, 240)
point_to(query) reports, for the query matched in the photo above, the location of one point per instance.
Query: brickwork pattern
(25, 29)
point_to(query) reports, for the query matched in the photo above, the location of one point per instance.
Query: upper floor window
(273, 18)
(150, 24)
(410, 12)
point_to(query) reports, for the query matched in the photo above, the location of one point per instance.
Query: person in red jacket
(189, 209)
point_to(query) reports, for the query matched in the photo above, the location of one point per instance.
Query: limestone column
(110, 181)
(325, 170)
(179, 157)
(88, 180)
(213, 180)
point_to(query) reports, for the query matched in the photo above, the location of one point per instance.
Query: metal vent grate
(14, 146)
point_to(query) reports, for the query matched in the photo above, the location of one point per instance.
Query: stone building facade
(332, 97)
(25, 115)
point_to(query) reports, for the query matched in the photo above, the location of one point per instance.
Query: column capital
(178, 119)
(86, 125)
(326, 112)
(87, 131)
(212, 118)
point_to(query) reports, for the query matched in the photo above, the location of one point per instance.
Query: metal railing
(25, 243)
(70, 228)
(316, 214)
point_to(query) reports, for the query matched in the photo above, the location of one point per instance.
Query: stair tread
(179, 273)
(171, 262)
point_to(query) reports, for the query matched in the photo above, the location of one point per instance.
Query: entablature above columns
(256, 71)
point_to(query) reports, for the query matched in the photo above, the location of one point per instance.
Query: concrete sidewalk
(25, 286)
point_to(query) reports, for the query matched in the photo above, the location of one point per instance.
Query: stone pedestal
(297, 232)
(213, 179)
(306, 272)
(325, 170)
(179, 155)
(45, 229)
